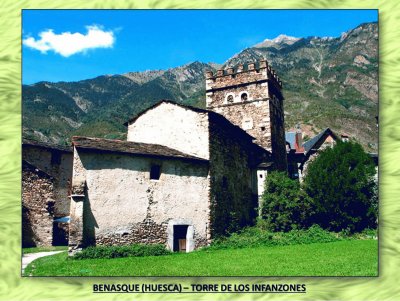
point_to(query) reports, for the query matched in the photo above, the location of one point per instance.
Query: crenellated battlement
(250, 96)
(253, 70)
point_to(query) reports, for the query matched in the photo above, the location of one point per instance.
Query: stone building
(37, 206)
(183, 176)
(300, 153)
(250, 97)
(55, 162)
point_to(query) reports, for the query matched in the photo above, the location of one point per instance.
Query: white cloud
(67, 44)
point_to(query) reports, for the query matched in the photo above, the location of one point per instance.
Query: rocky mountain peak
(277, 42)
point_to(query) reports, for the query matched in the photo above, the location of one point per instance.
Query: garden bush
(257, 236)
(342, 185)
(136, 250)
(285, 206)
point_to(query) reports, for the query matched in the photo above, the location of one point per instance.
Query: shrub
(285, 206)
(136, 250)
(256, 236)
(341, 182)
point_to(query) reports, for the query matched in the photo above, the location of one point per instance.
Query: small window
(244, 97)
(155, 172)
(263, 128)
(230, 98)
(260, 176)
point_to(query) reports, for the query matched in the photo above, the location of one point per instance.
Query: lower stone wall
(146, 232)
(38, 207)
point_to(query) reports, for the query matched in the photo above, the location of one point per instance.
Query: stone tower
(250, 97)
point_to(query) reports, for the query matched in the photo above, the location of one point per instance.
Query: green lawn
(343, 258)
(43, 249)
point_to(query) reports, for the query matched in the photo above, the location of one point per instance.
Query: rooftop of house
(314, 143)
(129, 147)
(47, 145)
(294, 145)
(218, 118)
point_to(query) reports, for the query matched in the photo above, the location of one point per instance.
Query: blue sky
(82, 44)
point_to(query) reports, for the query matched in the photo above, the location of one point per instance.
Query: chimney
(345, 137)
(299, 139)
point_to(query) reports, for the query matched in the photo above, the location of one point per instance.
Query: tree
(284, 205)
(341, 183)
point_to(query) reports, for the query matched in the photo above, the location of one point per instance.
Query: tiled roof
(47, 145)
(313, 142)
(129, 147)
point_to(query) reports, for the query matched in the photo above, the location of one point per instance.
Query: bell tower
(250, 97)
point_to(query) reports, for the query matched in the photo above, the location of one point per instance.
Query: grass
(43, 249)
(341, 258)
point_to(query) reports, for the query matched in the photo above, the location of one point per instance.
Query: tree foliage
(341, 182)
(284, 205)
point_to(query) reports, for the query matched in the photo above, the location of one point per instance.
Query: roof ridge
(190, 108)
(122, 146)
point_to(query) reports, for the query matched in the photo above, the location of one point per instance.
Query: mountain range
(327, 82)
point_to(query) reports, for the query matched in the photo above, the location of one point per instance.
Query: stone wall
(37, 207)
(259, 113)
(174, 126)
(278, 141)
(120, 204)
(253, 118)
(58, 164)
(233, 179)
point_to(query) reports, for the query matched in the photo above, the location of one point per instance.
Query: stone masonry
(37, 207)
(250, 97)
(57, 162)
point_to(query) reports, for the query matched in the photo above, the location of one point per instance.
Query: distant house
(301, 154)
(47, 173)
(318, 143)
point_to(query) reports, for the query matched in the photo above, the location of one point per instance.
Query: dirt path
(28, 258)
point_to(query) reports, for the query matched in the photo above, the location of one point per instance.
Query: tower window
(230, 98)
(244, 97)
(263, 128)
(155, 172)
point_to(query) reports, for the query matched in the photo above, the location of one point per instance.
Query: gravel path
(28, 258)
